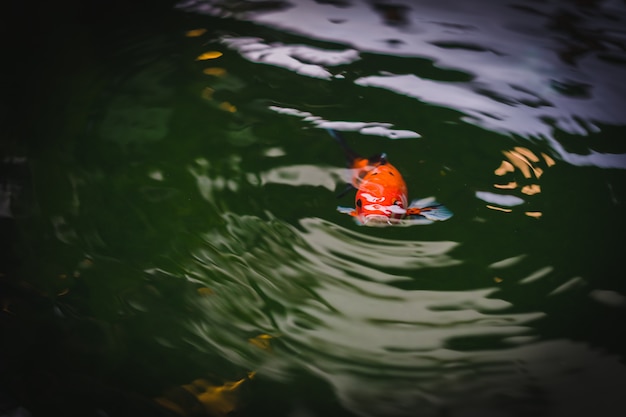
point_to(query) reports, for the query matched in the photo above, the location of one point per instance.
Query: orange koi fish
(381, 196)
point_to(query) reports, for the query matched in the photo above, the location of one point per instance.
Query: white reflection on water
(540, 273)
(526, 121)
(302, 59)
(365, 128)
(338, 302)
(504, 200)
(530, 380)
(343, 252)
(330, 297)
(533, 68)
(384, 349)
(609, 298)
(299, 175)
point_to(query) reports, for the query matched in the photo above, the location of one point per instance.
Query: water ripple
(541, 70)
(368, 256)
(326, 293)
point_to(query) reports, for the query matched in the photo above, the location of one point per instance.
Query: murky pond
(178, 248)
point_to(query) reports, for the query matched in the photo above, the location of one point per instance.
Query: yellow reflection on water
(207, 93)
(508, 186)
(226, 106)
(505, 167)
(261, 341)
(216, 71)
(205, 291)
(216, 400)
(535, 214)
(209, 55)
(522, 161)
(194, 33)
(531, 189)
(492, 207)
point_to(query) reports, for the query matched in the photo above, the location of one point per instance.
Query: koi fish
(382, 197)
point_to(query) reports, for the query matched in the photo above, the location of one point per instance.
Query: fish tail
(351, 155)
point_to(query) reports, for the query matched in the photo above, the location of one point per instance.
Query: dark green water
(163, 212)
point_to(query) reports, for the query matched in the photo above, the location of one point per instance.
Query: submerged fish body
(382, 196)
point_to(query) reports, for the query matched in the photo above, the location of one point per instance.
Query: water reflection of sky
(355, 309)
(532, 68)
(333, 301)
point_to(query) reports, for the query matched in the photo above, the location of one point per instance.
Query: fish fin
(428, 208)
(346, 190)
(347, 210)
(335, 135)
(351, 155)
(380, 159)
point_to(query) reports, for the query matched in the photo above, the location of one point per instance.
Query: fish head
(377, 220)
(380, 208)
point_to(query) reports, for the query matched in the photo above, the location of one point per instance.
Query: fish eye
(396, 202)
(359, 203)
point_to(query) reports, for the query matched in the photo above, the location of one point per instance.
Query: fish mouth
(378, 220)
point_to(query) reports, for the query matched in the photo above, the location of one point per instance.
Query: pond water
(177, 229)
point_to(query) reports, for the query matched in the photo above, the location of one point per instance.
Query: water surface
(179, 216)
